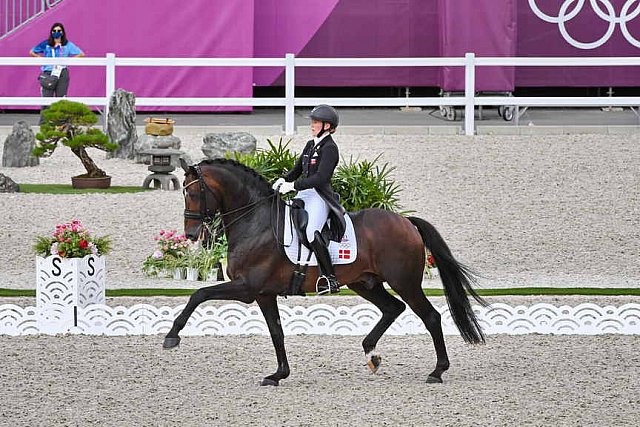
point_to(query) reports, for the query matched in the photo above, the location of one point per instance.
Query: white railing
(470, 99)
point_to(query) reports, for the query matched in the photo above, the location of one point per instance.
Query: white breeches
(317, 209)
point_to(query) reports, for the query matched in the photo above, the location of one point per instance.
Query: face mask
(56, 34)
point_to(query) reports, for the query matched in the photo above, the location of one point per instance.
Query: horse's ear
(184, 165)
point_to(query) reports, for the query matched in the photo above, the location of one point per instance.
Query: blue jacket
(65, 51)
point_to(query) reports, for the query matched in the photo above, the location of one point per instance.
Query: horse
(391, 249)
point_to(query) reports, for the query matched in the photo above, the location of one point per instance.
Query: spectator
(57, 45)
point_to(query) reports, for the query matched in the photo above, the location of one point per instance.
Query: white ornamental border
(320, 319)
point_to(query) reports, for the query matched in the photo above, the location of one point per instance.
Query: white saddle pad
(344, 252)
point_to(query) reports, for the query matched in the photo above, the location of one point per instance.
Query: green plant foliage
(69, 123)
(68, 189)
(364, 185)
(361, 185)
(271, 163)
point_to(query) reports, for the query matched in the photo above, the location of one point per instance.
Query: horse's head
(200, 201)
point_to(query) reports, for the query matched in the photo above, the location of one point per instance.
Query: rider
(311, 177)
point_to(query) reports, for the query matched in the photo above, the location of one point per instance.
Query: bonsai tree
(70, 123)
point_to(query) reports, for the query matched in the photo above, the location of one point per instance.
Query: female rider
(311, 178)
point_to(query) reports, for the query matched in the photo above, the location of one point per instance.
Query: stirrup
(327, 284)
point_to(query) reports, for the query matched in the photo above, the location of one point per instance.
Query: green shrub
(70, 124)
(272, 163)
(364, 185)
(361, 185)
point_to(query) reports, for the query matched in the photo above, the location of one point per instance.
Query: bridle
(206, 215)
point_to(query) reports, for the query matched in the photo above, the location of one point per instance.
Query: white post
(469, 93)
(110, 84)
(289, 93)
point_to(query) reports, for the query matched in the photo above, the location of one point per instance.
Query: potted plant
(70, 123)
(192, 262)
(211, 257)
(70, 269)
(170, 256)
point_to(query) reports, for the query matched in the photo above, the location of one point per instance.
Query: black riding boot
(327, 282)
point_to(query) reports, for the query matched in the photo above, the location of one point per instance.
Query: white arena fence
(319, 319)
(469, 101)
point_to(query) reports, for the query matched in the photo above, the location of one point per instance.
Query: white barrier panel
(323, 319)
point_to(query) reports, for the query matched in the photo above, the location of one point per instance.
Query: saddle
(333, 229)
(298, 249)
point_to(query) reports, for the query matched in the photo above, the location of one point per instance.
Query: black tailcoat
(314, 169)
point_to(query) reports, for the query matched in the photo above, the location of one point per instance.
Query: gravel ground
(559, 211)
(537, 380)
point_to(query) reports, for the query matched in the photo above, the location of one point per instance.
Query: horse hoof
(170, 342)
(433, 380)
(374, 363)
(269, 381)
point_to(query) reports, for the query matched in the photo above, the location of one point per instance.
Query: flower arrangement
(71, 240)
(207, 259)
(430, 268)
(171, 252)
(175, 251)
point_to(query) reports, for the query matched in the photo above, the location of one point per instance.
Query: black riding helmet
(326, 114)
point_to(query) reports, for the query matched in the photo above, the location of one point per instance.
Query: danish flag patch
(314, 160)
(344, 253)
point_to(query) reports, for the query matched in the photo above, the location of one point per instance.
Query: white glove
(278, 183)
(286, 188)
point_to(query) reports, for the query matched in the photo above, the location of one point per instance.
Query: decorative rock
(121, 123)
(7, 185)
(148, 142)
(18, 146)
(216, 145)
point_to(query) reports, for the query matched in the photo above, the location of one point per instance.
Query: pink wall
(131, 28)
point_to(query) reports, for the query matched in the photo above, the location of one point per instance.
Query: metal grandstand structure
(16, 13)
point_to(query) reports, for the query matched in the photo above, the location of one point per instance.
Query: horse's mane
(249, 176)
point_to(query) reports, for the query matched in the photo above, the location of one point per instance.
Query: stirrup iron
(327, 284)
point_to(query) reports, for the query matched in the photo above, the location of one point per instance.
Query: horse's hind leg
(391, 308)
(431, 318)
(269, 306)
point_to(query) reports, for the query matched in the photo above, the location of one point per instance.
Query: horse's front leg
(233, 290)
(269, 306)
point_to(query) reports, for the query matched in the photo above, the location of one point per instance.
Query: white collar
(317, 140)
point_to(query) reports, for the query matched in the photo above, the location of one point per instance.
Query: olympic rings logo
(608, 14)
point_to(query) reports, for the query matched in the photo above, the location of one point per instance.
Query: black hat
(325, 113)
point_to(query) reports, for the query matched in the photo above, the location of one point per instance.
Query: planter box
(65, 284)
(192, 274)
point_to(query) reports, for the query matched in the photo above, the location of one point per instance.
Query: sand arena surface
(512, 380)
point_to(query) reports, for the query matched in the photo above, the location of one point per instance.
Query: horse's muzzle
(192, 237)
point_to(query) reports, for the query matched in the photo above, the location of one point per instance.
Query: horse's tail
(457, 280)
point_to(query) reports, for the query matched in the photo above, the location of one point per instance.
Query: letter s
(92, 270)
(56, 266)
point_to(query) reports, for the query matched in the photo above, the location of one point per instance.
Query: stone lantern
(163, 162)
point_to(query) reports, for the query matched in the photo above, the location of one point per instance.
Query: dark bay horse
(391, 248)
